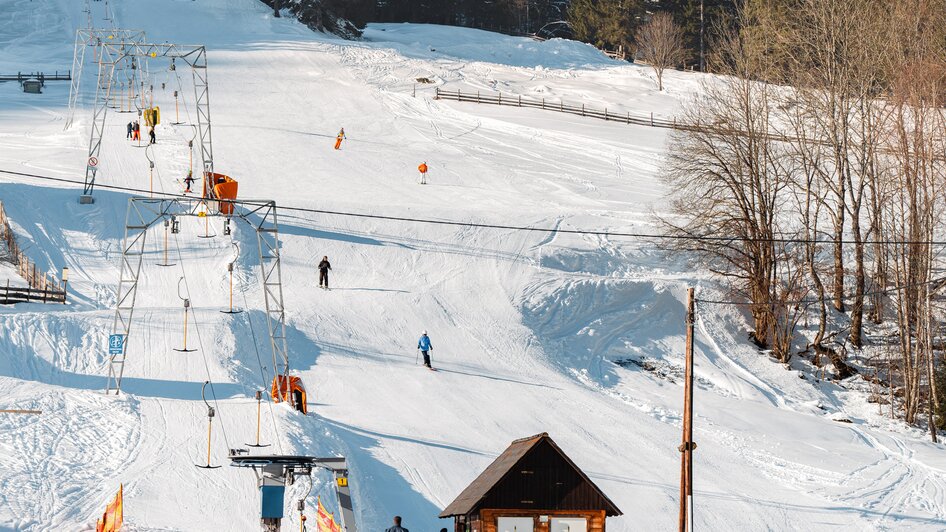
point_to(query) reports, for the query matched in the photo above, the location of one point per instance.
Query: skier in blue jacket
(424, 345)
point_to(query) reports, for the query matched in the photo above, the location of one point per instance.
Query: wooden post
(687, 447)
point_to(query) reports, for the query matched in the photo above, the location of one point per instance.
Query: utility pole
(702, 64)
(687, 447)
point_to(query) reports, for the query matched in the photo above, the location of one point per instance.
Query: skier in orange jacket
(339, 138)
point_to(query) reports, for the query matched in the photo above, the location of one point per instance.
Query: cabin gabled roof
(470, 498)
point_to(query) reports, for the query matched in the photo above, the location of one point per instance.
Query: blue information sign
(116, 344)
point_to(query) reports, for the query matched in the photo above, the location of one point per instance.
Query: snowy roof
(476, 493)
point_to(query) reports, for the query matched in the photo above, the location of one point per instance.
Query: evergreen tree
(606, 23)
(686, 13)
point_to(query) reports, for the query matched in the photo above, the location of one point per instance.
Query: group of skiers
(134, 132)
(422, 168)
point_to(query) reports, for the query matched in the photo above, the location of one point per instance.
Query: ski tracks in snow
(68, 458)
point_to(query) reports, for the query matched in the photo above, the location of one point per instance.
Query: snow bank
(431, 40)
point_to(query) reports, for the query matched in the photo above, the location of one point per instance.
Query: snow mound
(423, 40)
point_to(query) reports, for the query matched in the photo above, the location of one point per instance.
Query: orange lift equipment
(221, 187)
(294, 392)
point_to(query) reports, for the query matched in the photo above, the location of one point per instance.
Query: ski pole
(417, 356)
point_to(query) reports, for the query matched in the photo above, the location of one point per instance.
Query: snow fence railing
(560, 106)
(43, 286)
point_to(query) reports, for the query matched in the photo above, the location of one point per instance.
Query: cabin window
(515, 524)
(569, 524)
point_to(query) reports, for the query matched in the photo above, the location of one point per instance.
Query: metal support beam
(138, 218)
(113, 54)
(92, 37)
(267, 234)
(144, 213)
(283, 468)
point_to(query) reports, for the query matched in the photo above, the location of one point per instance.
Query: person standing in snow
(151, 134)
(324, 267)
(136, 131)
(397, 525)
(425, 346)
(131, 129)
(338, 138)
(189, 180)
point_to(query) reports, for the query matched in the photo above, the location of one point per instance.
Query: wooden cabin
(531, 487)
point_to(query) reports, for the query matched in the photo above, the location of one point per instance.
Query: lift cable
(477, 225)
(259, 360)
(203, 352)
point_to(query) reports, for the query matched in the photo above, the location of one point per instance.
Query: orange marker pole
(258, 407)
(185, 339)
(210, 421)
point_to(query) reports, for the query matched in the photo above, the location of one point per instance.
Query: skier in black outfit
(131, 128)
(151, 134)
(189, 180)
(324, 267)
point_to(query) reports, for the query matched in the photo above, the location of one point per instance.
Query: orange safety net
(111, 520)
(325, 522)
(281, 391)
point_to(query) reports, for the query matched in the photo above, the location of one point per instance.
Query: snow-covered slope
(526, 326)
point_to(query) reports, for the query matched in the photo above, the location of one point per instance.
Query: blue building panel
(273, 498)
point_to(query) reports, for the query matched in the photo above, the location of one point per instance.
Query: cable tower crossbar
(86, 37)
(112, 57)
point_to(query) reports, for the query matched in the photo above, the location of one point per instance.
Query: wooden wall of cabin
(488, 519)
(542, 479)
(460, 523)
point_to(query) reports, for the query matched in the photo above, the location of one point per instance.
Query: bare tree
(660, 44)
(732, 178)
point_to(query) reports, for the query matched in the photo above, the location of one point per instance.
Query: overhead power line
(479, 225)
(827, 299)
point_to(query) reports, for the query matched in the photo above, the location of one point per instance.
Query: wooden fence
(627, 118)
(562, 107)
(42, 286)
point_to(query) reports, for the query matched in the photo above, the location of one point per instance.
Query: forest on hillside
(608, 24)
